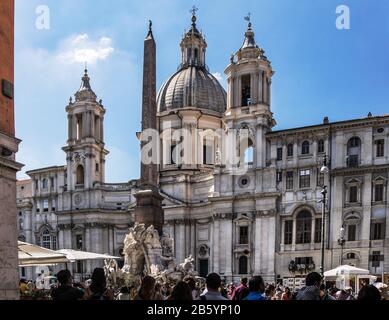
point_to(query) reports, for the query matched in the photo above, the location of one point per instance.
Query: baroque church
(267, 221)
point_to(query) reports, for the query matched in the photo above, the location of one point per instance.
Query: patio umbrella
(33, 255)
(345, 270)
(76, 255)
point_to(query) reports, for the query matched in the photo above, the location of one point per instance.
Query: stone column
(227, 236)
(257, 244)
(102, 129)
(260, 86)
(92, 125)
(70, 121)
(216, 226)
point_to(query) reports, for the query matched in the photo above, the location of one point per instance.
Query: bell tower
(85, 150)
(249, 77)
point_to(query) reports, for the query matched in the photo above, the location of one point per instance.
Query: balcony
(116, 187)
(353, 161)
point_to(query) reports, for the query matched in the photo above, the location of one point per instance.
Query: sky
(320, 70)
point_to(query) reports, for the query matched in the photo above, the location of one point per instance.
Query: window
(52, 183)
(45, 205)
(279, 154)
(97, 167)
(79, 242)
(305, 147)
(303, 227)
(320, 146)
(243, 265)
(351, 232)
(318, 230)
(243, 235)
(249, 154)
(207, 154)
(36, 185)
(290, 150)
(80, 175)
(279, 176)
(289, 180)
(173, 156)
(246, 90)
(377, 231)
(379, 192)
(46, 239)
(288, 232)
(350, 255)
(79, 127)
(44, 184)
(376, 259)
(353, 152)
(320, 178)
(53, 243)
(305, 178)
(353, 194)
(380, 147)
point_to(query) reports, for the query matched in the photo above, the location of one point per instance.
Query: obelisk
(149, 202)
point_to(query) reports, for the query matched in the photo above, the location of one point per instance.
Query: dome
(192, 86)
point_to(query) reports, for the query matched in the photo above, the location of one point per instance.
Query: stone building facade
(265, 221)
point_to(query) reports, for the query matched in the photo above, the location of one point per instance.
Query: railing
(116, 187)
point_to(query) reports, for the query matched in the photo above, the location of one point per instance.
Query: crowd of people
(212, 289)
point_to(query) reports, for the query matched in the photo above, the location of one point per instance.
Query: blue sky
(320, 70)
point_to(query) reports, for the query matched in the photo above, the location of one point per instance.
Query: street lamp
(341, 242)
(324, 170)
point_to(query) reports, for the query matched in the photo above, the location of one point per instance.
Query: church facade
(267, 220)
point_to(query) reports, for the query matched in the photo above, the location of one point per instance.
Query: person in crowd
(223, 290)
(257, 288)
(312, 289)
(324, 295)
(65, 290)
(192, 284)
(23, 287)
(124, 294)
(278, 294)
(31, 286)
(269, 291)
(98, 288)
(369, 293)
(238, 290)
(287, 294)
(158, 292)
(230, 290)
(181, 292)
(213, 282)
(147, 289)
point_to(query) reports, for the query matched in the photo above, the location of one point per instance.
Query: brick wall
(6, 65)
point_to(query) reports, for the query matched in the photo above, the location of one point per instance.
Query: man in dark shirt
(66, 291)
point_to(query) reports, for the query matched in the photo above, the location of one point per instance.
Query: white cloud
(80, 49)
(218, 76)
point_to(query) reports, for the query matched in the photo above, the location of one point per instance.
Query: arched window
(44, 184)
(353, 152)
(290, 150)
(305, 147)
(249, 154)
(46, 239)
(80, 175)
(243, 265)
(320, 146)
(303, 227)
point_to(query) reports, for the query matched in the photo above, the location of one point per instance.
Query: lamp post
(324, 170)
(341, 242)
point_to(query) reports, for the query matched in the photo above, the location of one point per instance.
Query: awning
(76, 255)
(345, 270)
(33, 255)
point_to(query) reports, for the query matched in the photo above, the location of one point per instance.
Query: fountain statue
(146, 253)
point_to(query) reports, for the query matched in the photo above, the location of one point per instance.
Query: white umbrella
(76, 255)
(33, 255)
(345, 270)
